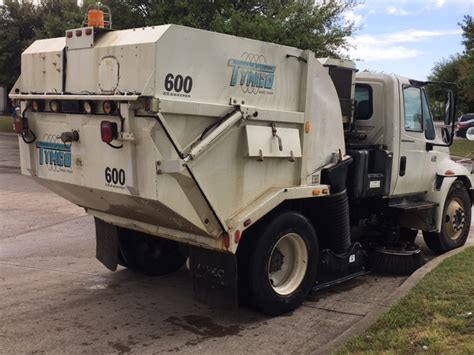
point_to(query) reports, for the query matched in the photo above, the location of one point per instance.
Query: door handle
(403, 166)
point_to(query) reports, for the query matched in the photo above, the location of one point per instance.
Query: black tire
(149, 255)
(448, 238)
(287, 225)
(408, 234)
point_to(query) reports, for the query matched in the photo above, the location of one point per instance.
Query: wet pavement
(57, 298)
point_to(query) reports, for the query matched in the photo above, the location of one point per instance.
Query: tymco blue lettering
(249, 74)
(54, 154)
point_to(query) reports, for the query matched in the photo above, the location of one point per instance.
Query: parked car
(464, 123)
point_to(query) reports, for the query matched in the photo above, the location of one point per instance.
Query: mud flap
(214, 277)
(107, 244)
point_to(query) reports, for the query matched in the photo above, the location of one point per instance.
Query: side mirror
(446, 135)
(449, 108)
(470, 134)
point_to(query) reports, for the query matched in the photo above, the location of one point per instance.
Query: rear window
(467, 117)
(364, 102)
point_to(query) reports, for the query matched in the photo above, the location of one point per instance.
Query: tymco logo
(252, 74)
(54, 154)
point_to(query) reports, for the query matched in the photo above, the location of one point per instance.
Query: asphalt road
(56, 298)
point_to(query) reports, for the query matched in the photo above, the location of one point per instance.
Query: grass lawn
(461, 147)
(6, 124)
(437, 316)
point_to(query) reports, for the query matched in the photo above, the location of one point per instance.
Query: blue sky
(406, 37)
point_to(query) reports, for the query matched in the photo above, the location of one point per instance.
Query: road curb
(363, 324)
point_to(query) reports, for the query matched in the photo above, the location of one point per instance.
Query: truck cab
(392, 115)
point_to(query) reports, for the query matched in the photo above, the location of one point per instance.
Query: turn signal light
(21, 125)
(108, 131)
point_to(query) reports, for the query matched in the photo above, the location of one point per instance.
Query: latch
(274, 133)
(127, 136)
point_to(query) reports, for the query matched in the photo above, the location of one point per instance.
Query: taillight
(78, 33)
(69, 34)
(108, 131)
(21, 125)
(88, 31)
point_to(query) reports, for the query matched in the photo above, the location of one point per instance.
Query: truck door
(416, 165)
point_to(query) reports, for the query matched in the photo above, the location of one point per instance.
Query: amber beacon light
(98, 15)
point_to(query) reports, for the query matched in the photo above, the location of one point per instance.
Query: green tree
(459, 68)
(19, 24)
(305, 24)
(58, 16)
(23, 22)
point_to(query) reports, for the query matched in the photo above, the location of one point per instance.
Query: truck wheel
(456, 221)
(149, 254)
(283, 263)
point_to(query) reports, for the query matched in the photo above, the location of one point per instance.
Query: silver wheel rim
(287, 264)
(454, 219)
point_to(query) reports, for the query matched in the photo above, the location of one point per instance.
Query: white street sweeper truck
(274, 172)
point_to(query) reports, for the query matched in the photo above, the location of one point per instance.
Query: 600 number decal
(178, 83)
(115, 176)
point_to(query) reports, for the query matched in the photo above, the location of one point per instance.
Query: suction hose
(336, 209)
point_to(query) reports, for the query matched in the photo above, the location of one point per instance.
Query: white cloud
(438, 3)
(351, 16)
(391, 46)
(392, 10)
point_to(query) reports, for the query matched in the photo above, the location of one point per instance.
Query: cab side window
(364, 102)
(413, 110)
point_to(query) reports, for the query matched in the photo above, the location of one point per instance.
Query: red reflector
(108, 131)
(226, 241)
(79, 33)
(88, 31)
(69, 34)
(237, 236)
(21, 125)
(147, 105)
